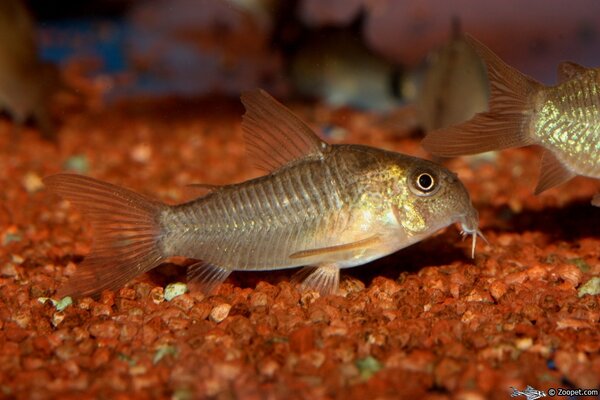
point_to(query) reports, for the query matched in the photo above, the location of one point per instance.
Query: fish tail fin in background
(126, 233)
(505, 125)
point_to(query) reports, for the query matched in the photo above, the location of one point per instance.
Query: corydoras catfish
(455, 86)
(322, 206)
(564, 119)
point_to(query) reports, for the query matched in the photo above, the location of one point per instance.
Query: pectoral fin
(552, 173)
(364, 243)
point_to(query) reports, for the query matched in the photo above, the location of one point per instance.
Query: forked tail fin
(126, 233)
(505, 125)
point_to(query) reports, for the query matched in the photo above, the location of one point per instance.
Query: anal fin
(363, 243)
(324, 279)
(552, 173)
(206, 277)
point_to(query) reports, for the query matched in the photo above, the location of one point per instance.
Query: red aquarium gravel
(426, 322)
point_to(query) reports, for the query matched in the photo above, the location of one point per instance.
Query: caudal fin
(506, 123)
(126, 233)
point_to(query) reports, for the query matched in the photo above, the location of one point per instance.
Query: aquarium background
(195, 47)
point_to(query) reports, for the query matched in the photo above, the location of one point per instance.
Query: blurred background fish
(332, 62)
(340, 70)
(357, 53)
(26, 82)
(454, 86)
(564, 119)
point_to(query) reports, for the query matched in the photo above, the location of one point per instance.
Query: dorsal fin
(568, 70)
(456, 31)
(275, 135)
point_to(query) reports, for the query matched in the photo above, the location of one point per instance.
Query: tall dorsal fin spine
(274, 135)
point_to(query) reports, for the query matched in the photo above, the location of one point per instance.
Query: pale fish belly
(257, 225)
(568, 124)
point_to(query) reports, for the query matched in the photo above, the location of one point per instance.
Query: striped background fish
(564, 119)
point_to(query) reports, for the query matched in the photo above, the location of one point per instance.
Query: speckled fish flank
(321, 206)
(564, 119)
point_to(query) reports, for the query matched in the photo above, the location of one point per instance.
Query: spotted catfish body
(564, 119)
(322, 206)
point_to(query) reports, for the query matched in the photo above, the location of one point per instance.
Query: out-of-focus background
(407, 59)
(195, 47)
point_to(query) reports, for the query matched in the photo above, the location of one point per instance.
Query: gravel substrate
(426, 322)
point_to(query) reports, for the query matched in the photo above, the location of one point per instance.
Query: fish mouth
(470, 227)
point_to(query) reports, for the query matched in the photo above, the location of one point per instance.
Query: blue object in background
(103, 39)
(145, 39)
(108, 41)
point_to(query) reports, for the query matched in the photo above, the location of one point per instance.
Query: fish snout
(470, 221)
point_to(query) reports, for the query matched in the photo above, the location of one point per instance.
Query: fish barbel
(564, 119)
(321, 206)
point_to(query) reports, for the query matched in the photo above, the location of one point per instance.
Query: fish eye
(424, 183)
